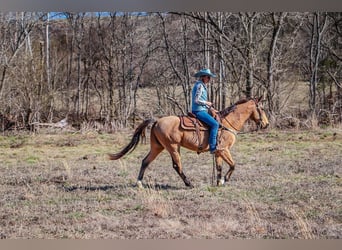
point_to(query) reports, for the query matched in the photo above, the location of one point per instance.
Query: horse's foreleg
(219, 162)
(225, 154)
(177, 165)
(229, 173)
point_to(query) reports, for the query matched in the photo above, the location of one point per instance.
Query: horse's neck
(239, 116)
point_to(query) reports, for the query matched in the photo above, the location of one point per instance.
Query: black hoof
(189, 185)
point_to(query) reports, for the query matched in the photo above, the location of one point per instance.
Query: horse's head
(259, 115)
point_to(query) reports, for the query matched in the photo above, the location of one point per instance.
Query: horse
(167, 133)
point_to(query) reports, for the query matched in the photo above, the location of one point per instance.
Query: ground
(287, 185)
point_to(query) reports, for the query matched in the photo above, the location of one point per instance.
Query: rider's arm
(198, 99)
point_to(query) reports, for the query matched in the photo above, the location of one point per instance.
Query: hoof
(220, 182)
(140, 185)
(189, 185)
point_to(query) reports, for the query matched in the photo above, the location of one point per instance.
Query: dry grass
(287, 185)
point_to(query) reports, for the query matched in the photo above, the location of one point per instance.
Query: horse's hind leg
(177, 165)
(155, 150)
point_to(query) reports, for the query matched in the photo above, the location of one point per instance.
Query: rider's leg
(213, 124)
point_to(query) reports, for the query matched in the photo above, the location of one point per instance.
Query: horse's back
(168, 123)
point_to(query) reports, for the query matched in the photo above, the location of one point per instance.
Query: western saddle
(190, 122)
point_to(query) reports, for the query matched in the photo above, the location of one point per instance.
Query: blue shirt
(199, 97)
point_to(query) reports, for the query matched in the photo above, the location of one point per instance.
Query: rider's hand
(213, 110)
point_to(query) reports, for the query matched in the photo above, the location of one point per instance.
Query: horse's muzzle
(264, 125)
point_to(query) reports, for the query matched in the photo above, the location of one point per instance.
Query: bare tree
(16, 27)
(277, 22)
(318, 27)
(178, 46)
(248, 23)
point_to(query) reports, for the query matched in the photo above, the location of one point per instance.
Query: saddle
(190, 122)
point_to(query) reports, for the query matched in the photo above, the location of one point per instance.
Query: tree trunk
(277, 25)
(315, 52)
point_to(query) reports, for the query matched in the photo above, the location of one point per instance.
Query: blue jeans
(213, 125)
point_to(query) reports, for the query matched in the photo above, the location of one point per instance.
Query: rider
(201, 105)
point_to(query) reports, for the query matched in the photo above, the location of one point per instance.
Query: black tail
(134, 142)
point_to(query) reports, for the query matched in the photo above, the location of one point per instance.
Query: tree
(318, 27)
(15, 29)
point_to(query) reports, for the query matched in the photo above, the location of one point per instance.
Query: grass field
(287, 185)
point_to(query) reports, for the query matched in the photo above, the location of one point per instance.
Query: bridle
(259, 122)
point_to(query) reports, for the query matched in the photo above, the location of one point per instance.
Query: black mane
(231, 108)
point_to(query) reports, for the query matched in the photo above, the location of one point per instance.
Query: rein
(213, 173)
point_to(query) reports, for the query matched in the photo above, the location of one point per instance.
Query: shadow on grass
(90, 188)
(117, 187)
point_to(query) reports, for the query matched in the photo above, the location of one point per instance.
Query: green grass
(32, 159)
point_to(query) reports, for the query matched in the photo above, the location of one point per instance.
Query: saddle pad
(190, 123)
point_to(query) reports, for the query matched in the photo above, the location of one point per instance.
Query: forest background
(111, 70)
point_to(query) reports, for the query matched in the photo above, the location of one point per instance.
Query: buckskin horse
(170, 133)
